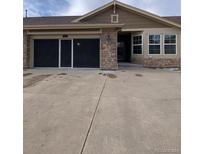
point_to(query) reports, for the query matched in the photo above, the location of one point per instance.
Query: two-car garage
(67, 53)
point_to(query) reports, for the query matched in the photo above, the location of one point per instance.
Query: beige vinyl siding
(130, 19)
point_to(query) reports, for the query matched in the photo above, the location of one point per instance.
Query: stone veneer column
(108, 54)
(26, 50)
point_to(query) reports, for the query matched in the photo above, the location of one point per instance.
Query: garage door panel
(46, 53)
(66, 53)
(86, 53)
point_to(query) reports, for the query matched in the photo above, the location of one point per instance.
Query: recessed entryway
(124, 47)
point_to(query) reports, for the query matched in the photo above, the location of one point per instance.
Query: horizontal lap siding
(130, 19)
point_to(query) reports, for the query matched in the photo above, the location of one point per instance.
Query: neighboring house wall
(26, 50)
(130, 19)
(158, 60)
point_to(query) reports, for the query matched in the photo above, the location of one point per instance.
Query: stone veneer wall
(108, 52)
(26, 50)
(161, 62)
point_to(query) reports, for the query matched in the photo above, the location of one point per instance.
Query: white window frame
(137, 44)
(169, 44)
(59, 53)
(154, 44)
(112, 17)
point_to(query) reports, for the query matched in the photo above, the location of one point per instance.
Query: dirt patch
(112, 76)
(62, 74)
(138, 75)
(32, 81)
(27, 74)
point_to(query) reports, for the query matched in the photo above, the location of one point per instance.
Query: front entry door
(66, 53)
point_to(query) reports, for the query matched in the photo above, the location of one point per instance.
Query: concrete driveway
(99, 112)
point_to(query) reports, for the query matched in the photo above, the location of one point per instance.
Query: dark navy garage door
(46, 53)
(66, 53)
(86, 53)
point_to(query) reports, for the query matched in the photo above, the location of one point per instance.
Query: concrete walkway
(97, 112)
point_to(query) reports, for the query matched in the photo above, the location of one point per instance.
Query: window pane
(114, 18)
(154, 49)
(137, 40)
(137, 49)
(154, 39)
(170, 39)
(170, 49)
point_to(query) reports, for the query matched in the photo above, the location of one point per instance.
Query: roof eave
(72, 26)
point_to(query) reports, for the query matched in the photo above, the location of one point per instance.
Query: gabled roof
(61, 22)
(131, 8)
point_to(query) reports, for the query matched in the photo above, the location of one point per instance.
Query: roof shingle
(52, 20)
(176, 19)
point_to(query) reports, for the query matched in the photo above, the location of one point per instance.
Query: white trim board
(59, 53)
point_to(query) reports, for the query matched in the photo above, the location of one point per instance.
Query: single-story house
(113, 33)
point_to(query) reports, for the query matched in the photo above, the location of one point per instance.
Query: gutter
(72, 26)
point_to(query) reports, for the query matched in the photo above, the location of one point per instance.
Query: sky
(80, 7)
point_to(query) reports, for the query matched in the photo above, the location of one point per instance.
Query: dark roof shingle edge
(57, 20)
(176, 19)
(49, 20)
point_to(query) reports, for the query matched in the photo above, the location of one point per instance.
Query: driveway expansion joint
(93, 118)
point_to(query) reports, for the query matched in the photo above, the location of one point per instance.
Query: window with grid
(137, 44)
(154, 44)
(170, 44)
(114, 18)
